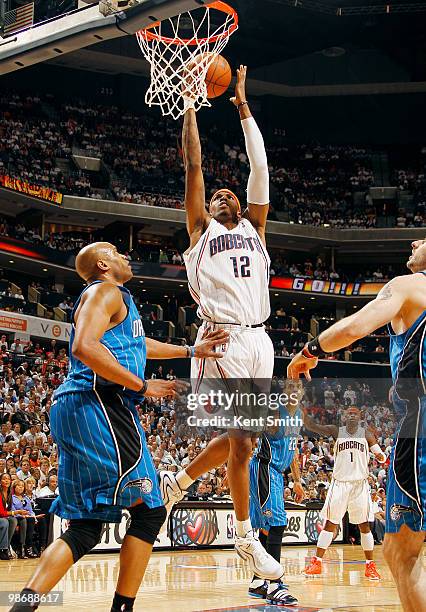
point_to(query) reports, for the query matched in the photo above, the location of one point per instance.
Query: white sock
(183, 480)
(367, 541)
(272, 586)
(243, 527)
(256, 582)
(325, 539)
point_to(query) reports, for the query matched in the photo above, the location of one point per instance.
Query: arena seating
(140, 161)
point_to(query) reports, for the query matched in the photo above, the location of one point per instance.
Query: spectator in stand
(17, 347)
(42, 519)
(50, 489)
(3, 341)
(349, 396)
(24, 469)
(8, 520)
(21, 505)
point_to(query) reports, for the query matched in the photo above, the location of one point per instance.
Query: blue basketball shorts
(266, 496)
(406, 486)
(104, 463)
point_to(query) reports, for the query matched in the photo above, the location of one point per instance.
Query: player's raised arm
(197, 218)
(258, 182)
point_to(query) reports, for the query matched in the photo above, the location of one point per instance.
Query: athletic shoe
(31, 554)
(261, 563)
(260, 591)
(171, 493)
(280, 596)
(371, 571)
(314, 568)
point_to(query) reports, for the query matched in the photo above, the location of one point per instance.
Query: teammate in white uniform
(228, 274)
(349, 489)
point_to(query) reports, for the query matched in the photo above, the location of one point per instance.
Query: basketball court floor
(191, 581)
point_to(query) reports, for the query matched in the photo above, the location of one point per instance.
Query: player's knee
(401, 550)
(329, 526)
(81, 536)
(241, 451)
(146, 522)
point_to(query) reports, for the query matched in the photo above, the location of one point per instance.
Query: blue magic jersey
(278, 449)
(406, 490)
(125, 341)
(407, 353)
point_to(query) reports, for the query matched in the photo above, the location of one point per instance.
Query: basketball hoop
(180, 50)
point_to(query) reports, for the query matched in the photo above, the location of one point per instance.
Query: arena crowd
(141, 162)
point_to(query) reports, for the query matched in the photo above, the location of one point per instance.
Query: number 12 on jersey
(243, 269)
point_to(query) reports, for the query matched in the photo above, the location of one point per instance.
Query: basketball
(218, 77)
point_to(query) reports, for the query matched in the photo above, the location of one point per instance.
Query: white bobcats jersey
(351, 456)
(228, 275)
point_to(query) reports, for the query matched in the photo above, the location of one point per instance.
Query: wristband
(190, 351)
(241, 104)
(312, 349)
(376, 450)
(144, 387)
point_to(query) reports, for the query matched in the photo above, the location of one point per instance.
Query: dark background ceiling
(291, 44)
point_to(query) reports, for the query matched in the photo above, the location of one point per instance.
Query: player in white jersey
(349, 489)
(228, 274)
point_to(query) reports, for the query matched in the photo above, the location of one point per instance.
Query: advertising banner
(35, 191)
(310, 285)
(34, 326)
(207, 526)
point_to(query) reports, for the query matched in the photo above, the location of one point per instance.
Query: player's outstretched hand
(165, 388)
(205, 349)
(301, 365)
(240, 86)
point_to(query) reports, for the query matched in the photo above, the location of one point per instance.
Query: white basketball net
(179, 64)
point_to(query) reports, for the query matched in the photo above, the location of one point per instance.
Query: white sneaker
(261, 563)
(171, 493)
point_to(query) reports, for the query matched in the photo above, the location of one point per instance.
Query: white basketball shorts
(249, 354)
(352, 496)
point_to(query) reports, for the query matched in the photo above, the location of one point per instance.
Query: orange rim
(148, 34)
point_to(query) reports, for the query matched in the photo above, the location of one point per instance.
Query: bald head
(101, 260)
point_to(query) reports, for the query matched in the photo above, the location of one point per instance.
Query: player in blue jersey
(104, 463)
(402, 305)
(276, 452)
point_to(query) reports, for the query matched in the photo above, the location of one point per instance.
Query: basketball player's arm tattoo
(195, 196)
(99, 305)
(385, 293)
